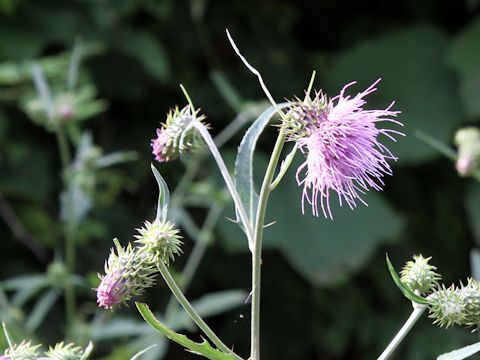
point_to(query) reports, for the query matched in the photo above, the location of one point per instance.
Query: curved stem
(228, 180)
(257, 246)
(414, 316)
(191, 311)
(203, 239)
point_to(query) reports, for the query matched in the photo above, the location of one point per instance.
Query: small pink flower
(112, 290)
(160, 146)
(342, 149)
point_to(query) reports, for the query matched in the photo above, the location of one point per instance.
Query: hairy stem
(257, 246)
(414, 316)
(191, 311)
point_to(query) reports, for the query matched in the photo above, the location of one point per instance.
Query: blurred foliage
(327, 280)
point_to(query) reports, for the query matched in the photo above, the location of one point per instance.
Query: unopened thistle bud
(304, 116)
(65, 352)
(447, 306)
(128, 272)
(23, 351)
(419, 275)
(471, 296)
(159, 239)
(468, 143)
(177, 135)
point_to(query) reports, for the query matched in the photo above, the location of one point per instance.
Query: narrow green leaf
(410, 295)
(462, 353)
(163, 195)
(244, 162)
(204, 349)
(141, 352)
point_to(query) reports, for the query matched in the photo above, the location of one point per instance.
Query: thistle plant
(341, 141)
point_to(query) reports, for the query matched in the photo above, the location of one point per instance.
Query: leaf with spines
(163, 195)
(244, 162)
(204, 349)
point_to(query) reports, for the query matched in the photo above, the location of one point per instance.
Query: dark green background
(326, 290)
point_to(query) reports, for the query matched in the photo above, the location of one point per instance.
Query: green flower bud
(65, 352)
(468, 142)
(176, 135)
(447, 307)
(23, 351)
(128, 273)
(471, 297)
(159, 239)
(419, 275)
(304, 116)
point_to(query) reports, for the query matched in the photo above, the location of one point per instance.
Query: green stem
(66, 159)
(191, 311)
(415, 315)
(257, 246)
(203, 239)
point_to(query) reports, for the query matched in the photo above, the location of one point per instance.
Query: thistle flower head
(159, 239)
(177, 135)
(419, 275)
(340, 141)
(468, 143)
(63, 351)
(128, 273)
(23, 351)
(447, 306)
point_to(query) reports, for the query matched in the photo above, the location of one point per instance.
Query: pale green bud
(447, 306)
(418, 275)
(65, 352)
(23, 351)
(160, 239)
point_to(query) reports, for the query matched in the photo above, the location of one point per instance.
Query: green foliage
(203, 348)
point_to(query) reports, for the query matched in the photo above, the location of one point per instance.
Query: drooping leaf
(462, 353)
(409, 294)
(409, 61)
(244, 162)
(203, 349)
(163, 195)
(41, 309)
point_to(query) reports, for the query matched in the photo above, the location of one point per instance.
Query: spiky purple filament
(343, 153)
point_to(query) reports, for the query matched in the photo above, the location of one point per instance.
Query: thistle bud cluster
(456, 305)
(303, 117)
(63, 351)
(23, 351)
(177, 135)
(131, 270)
(419, 276)
(468, 143)
(448, 306)
(26, 351)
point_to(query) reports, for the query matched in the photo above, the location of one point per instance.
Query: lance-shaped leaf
(163, 196)
(204, 349)
(244, 162)
(462, 353)
(409, 294)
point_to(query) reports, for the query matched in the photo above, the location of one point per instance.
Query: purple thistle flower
(340, 141)
(112, 290)
(160, 146)
(128, 273)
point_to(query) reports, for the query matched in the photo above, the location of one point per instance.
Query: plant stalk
(414, 316)
(257, 246)
(191, 311)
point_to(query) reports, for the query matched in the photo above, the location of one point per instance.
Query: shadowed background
(326, 289)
